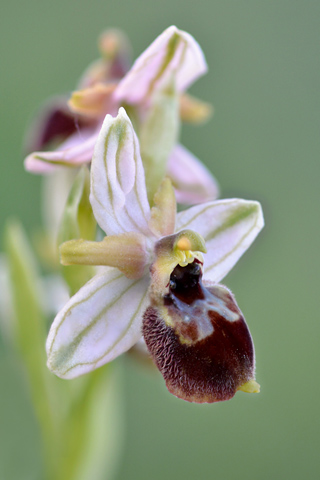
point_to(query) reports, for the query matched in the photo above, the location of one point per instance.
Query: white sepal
(101, 321)
(118, 191)
(228, 228)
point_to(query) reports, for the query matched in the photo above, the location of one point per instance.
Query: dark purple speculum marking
(199, 339)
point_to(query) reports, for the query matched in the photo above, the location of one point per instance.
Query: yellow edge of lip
(250, 387)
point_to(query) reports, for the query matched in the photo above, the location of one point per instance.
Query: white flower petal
(192, 181)
(101, 321)
(228, 228)
(173, 52)
(118, 191)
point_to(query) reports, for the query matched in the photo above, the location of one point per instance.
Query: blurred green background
(262, 143)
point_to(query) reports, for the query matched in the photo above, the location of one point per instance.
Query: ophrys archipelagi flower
(152, 283)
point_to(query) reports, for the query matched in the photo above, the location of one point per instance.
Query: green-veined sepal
(101, 321)
(228, 228)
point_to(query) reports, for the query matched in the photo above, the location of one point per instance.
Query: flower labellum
(198, 339)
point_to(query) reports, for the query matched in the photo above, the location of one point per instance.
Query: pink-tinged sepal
(174, 53)
(74, 152)
(193, 182)
(199, 340)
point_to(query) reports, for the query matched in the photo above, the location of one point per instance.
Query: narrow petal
(193, 182)
(93, 101)
(75, 151)
(163, 213)
(174, 52)
(101, 321)
(228, 227)
(158, 135)
(193, 110)
(127, 252)
(118, 191)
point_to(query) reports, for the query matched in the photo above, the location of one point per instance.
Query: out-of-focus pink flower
(173, 57)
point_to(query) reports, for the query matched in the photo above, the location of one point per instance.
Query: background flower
(153, 90)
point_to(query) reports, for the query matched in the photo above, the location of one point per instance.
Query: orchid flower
(57, 122)
(153, 89)
(151, 283)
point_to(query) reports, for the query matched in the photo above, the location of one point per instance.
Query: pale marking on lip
(199, 310)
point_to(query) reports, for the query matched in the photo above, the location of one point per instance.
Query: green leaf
(29, 329)
(78, 222)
